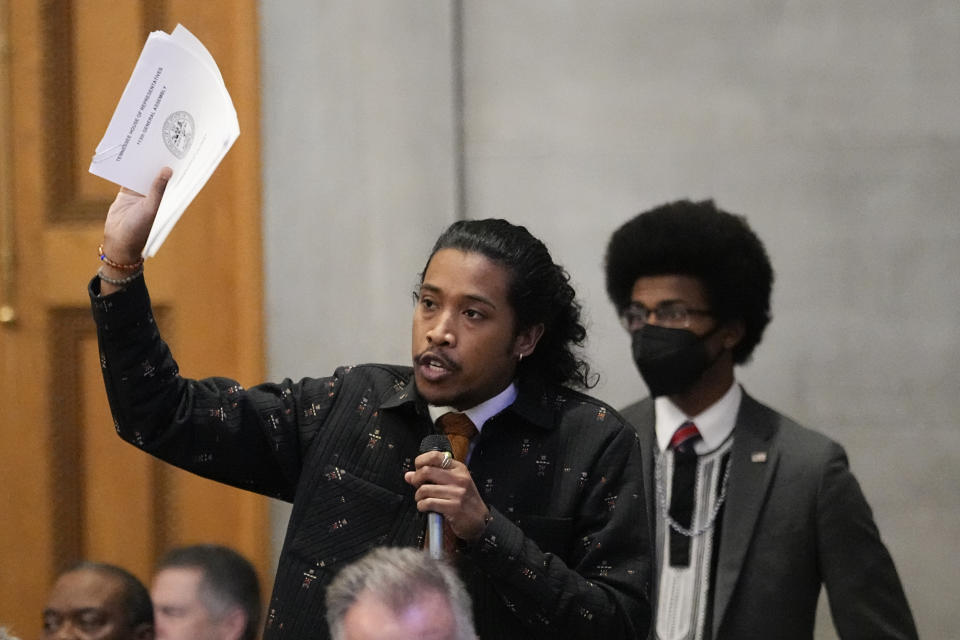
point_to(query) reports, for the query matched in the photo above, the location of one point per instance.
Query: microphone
(435, 442)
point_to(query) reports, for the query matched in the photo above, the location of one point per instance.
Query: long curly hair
(539, 292)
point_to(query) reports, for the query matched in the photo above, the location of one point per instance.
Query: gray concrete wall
(831, 125)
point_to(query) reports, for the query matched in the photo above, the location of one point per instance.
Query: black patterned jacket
(566, 554)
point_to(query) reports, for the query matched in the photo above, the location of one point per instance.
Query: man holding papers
(543, 506)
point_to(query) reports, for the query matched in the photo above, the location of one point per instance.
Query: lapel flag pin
(758, 456)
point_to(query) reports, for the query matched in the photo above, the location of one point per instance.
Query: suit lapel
(754, 459)
(648, 449)
(641, 416)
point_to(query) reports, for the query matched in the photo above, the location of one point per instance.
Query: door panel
(71, 489)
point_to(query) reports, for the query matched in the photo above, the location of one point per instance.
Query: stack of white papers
(175, 112)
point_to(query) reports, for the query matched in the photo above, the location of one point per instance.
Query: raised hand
(127, 227)
(129, 220)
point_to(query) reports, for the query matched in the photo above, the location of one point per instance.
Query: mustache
(426, 357)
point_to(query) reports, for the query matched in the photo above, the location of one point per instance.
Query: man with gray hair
(207, 592)
(399, 593)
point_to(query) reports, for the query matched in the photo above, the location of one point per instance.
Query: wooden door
(70, 489)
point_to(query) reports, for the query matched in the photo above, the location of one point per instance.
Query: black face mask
(670, 360)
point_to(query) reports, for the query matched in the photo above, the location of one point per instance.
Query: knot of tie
(684, 437)
(460, 430)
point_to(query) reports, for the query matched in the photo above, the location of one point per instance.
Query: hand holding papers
(175, 112)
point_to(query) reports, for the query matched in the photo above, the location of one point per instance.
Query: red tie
(684, 437)
(460, 431)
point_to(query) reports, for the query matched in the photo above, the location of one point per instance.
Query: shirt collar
(483, 411)
(715, 424)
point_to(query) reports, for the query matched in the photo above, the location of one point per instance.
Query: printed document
(175, 112)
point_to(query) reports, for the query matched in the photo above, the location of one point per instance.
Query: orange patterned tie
(460, 431)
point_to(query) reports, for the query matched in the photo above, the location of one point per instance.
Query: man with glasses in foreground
(750, 512)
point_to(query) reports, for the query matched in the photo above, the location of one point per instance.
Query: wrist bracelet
(117, 265)
(120, 282)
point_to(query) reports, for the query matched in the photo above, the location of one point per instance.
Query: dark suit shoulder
(760, 420)
(560, 407)
(640, 415)
(377, 382)
(376, 371)
(792, 437)
(575, 397)
(382, 379)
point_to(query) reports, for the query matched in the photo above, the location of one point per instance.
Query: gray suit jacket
(795, 518)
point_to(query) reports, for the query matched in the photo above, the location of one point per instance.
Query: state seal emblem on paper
(178, 133)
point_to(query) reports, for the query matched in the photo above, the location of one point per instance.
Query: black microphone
(435, 442)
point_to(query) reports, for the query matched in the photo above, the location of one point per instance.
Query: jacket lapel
(754, 459)
(641, 416)
(648, 450)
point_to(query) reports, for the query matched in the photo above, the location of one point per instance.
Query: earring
(519, 358)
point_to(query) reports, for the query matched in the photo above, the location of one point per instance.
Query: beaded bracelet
(117, 265)
(120, 282)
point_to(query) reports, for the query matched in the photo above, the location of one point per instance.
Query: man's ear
(143, 631)
(233, 623)
(526, 341)
(733, 332)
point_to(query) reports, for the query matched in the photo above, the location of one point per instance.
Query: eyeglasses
(673, 315)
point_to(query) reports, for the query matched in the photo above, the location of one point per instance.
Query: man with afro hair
(750, 513)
